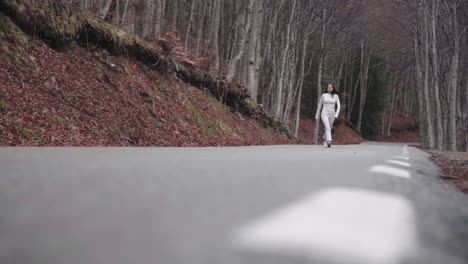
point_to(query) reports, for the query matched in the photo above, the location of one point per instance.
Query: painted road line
(338, 225)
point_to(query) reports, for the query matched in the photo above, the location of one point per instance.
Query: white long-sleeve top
(328, 102)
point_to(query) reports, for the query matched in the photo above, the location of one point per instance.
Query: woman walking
(328, 113)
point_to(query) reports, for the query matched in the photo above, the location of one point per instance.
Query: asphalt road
(364, 204)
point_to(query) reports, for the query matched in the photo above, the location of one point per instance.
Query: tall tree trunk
(455, 60)
(190, 24)
(116, 16)
(159, 18)
(464, 110)
(393, 107)
(148, 28)
(243, 38)
(354, 92)
(420, 95)
(386, 105)
(215, 34)
(174, 15)
(301, 78)
(435, 64)
(319, 75)
(140, 7)
(345, 89)
(430, 126)
(337, 79)
(105, 9)
(271, 31)
(279, 92)
(365, 59)
(124, 15)
(254, 49)
(200, 28)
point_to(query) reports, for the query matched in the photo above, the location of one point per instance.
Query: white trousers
(328, 123)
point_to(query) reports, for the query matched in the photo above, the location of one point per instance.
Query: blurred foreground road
(365, 204)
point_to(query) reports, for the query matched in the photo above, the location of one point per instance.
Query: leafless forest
(382, 56)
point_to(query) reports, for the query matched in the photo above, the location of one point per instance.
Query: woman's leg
(331, 119)
(326, 123)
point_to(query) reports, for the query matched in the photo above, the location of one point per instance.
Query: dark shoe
(329, 144)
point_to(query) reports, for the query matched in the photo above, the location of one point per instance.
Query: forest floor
(81, 97)
(342, 133)
(404, 130)
(454, 166)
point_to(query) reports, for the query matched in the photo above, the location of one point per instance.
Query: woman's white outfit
(327, 105)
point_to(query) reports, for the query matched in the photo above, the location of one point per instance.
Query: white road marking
(392, 171)
(338, 225)
(402, 158)
(401, 163)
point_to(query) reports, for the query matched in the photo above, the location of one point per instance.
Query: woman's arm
(339, 106)
(319, 107)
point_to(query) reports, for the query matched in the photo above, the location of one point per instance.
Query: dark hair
(334, 90)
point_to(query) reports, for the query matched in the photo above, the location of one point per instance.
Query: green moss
(31, 135)
(188, 105)
(189, 133)
(37, 139)
(96, 133)
(57, 119)
(207, 125)
(217, 104)
(117, 39)
(227, 130)
(49, 19)
(165, 89)
(11, 33)
(73, 132)
(3, 106)
(14, 44)
(23, 131)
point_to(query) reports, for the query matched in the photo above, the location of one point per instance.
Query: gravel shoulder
(454, 166)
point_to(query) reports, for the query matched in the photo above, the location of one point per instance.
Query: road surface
(370, 203)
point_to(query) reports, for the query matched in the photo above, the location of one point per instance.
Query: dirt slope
(404, 129)
(56, 91)
(342, 133)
